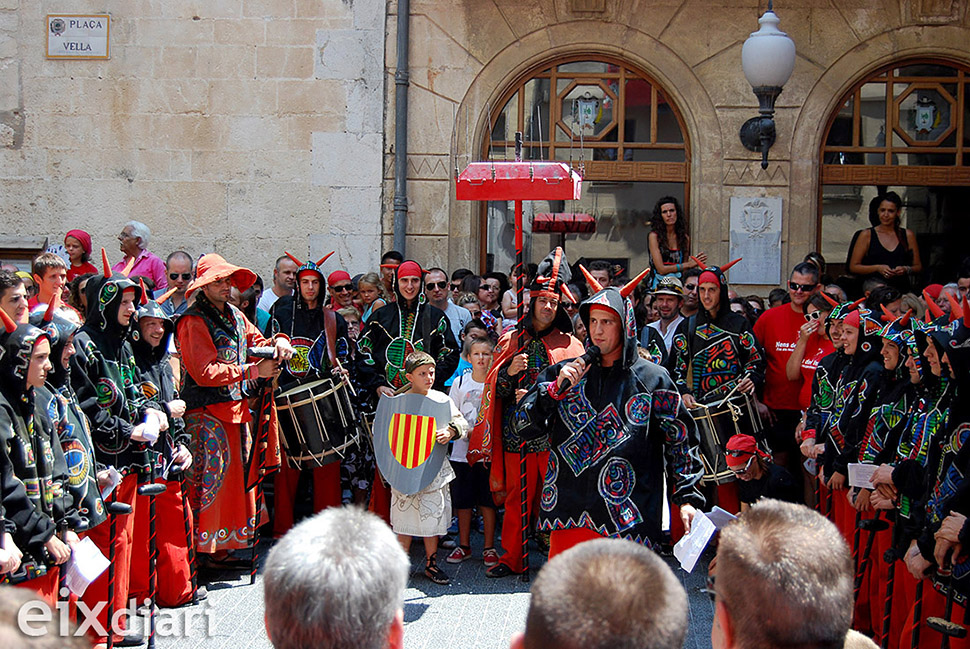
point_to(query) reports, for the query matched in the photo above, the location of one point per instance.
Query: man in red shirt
(777, 331)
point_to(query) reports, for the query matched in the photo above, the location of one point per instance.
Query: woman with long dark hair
(668, 240)
(886, 250)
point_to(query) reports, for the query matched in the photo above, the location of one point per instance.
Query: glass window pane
(924, 114)
(637, 110)
(872, 110)
(587, 110)
(659, 155)
(668, 129)
(536, 96)
(587, 67)
(926, 70)
(840, 134)
(507, 121)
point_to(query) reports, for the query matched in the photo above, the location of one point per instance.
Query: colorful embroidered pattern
(593, 434)
(210, 457)
(638, 409)
(550, 493)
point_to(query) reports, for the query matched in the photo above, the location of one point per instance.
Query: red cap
(84, 239)
(409, 269)
(708, 277)
(743, 447)
(933, 290)
(854, 319)
(338, 276)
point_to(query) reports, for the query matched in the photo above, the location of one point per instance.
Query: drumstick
(731, 393)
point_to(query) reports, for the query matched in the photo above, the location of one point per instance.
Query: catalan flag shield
(404, 439)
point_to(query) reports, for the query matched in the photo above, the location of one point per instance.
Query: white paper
(85, 565)
(720, 517)
(115, 480)
(151, 428)
(689, 549)
(811, 466)
(860, 475)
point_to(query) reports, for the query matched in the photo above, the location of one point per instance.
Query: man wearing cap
(519, 359)
(341, 289)
(758, 477)
(619, 433)
(319, 336)
(214, 338)
(389, 261)
(668, 297)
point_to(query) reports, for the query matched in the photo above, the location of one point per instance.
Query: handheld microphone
(591, 355)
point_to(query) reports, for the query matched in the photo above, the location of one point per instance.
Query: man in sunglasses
(341, 289)
(436, 289)
(758, 477)
(178, 269)
(777, 330)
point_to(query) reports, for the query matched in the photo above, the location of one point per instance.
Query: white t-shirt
(267, 300)
(466, 392)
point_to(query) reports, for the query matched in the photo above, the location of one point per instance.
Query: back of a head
(28, 622)
(608, 594)
(335, 581)
(784, 575)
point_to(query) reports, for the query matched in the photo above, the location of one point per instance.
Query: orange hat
(213, 267)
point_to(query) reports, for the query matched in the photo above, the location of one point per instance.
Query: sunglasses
(813, 316)
(747, 467)
(804, 288)
(342, 288)
(488, 287)
(456, 287)
(175, 276)
(433, 285)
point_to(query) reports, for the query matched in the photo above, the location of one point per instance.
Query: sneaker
(434, 573)
(448, 543)
(459, 554)
(490, 557)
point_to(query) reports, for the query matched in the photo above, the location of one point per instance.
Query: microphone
(591, 355)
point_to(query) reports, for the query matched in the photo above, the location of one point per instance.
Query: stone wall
(465, 53)
(240, 126)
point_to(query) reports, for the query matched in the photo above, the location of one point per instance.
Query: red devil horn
(556, 260)
(887, 315)
(51, 308)
(144, 291)
(105, 264)
(632, 284)
(906, 316)
(8, 323)
(326, 257)
(956, 311)
(855, 305)
(590, 279)
(294, 259)
(568, 294)
(931, 304)
(726, 266)
(828, 298)
(127, 269)
(167, 294)
(699, 263)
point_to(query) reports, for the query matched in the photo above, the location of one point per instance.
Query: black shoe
(501, 570)
(131, 638)
(434, 573)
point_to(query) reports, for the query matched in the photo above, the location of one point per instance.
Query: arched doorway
(615, 122)
(902, 127)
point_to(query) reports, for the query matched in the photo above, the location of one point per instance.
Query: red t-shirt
(777, 331)
(817, 349)
(83, 269)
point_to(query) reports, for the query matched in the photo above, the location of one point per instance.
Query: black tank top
(877, 254)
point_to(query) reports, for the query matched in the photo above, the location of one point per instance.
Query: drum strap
(330, 327)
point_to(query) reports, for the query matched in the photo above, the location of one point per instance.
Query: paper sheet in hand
(85, 565)
(115, 478)
(720, 517)
(860, 475)
(689, 549)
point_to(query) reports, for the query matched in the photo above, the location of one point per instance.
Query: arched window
(903, 127)
(617, 124)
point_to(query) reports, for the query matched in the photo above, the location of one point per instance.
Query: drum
(716, 423)
(318, 423)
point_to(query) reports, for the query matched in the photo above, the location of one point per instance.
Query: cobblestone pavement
(473, 611)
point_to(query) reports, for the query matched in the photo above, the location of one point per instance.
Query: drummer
(715, 355)
(310, 324)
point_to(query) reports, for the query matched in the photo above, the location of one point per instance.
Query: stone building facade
(250, 126)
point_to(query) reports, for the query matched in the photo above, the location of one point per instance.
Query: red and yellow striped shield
(411, 438)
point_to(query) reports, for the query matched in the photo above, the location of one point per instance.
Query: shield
(404, 440)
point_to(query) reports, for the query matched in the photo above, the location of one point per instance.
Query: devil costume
(613, 435)
(399, 328)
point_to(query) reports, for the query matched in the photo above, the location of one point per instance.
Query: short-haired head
(784, 578)
(8, 280)
(601, 264)
(470, 341)
(416, 360)
(335, 581)
(139, 231)
(392, 256)
(46, 261)
(178, 254)
(609, 594)
(807, 268)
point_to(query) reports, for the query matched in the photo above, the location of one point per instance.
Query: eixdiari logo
(34, 619)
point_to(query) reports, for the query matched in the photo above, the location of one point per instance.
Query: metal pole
(401, 82)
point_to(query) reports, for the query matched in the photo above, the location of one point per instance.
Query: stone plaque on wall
(756, 236)
(72, 36)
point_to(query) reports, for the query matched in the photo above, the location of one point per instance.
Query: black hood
(16, 348)
(104, 300)
(612, 299)
(953, 339)
(59, 325)
(151, 309)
